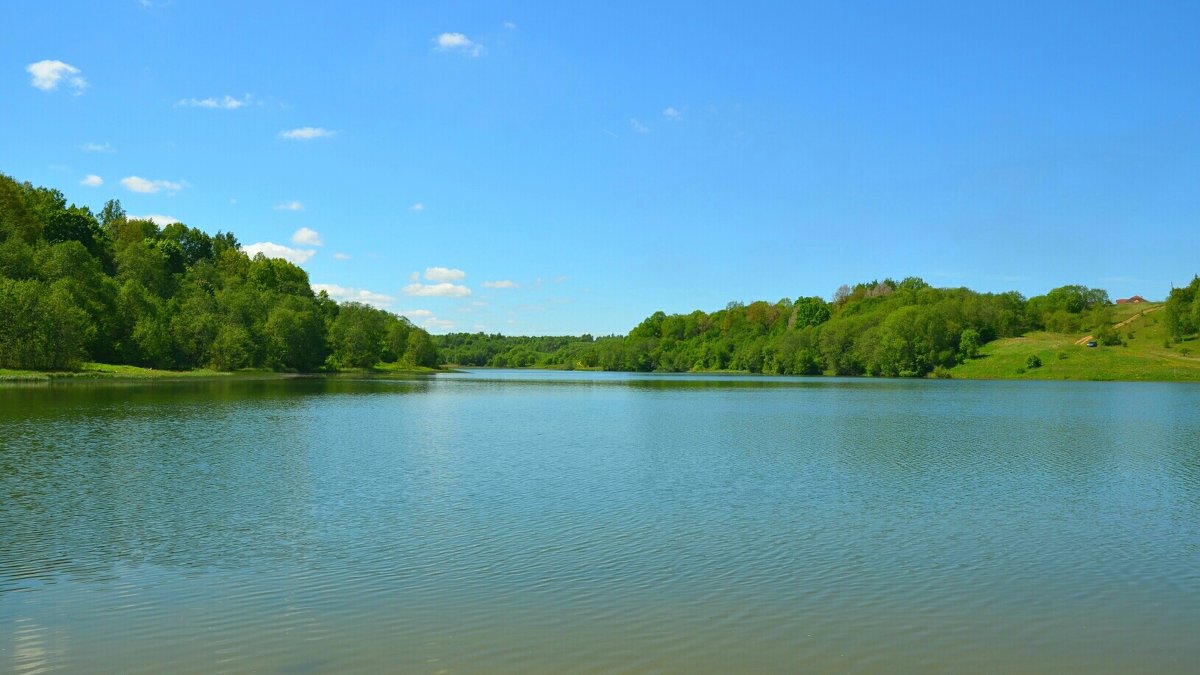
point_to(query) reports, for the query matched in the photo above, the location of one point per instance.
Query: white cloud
(419, 206)
(139, 184)
(415, 276)
(672, 114)
(226, 103)
(638, 126)
(438, 324)
(92, 180)
(289, 206)
(418, 313)
(343, 294)
(156, 218)
(96, 147)
(341, 256)
(297, 256)
(307, 237)
(510, 25)
(444, 274)
(47, 75)
(459, 43)
(447, 290)
(500, 284)
(306, 133)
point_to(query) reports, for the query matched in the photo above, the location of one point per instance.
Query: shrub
(1033, 362)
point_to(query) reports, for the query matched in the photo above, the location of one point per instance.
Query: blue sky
(552, 168)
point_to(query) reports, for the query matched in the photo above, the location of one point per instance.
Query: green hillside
(1145, 352)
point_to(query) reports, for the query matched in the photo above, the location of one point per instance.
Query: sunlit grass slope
(1145, 354)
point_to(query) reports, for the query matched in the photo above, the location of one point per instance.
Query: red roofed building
(1135, 300)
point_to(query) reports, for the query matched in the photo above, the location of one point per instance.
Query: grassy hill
(1144, 354)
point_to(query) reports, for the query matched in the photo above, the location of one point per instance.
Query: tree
(968, 344)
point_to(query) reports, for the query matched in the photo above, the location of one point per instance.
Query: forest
(887, 328)
(81, 287)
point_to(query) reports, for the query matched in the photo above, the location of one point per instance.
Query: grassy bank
(106, 371)
(1145, 353)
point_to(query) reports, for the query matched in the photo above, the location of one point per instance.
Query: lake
(506, 521)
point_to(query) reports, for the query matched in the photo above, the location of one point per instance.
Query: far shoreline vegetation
(104, 296)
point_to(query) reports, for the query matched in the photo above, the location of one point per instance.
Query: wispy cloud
(307, 237)
(510, 25)
(415, 313)
(638, 126)
(419, 206)
(225, 103)
(445, 290)
(145, 186)
(92, 180)
(47, 75)
(341, 256)
(438, 324)
(306, 133)
(97, 147)
(444, 274)
(500, 284)
(272, 250)
(289, 206)
(672, 114)
(457, 42)
(362, 295)
(156, 218)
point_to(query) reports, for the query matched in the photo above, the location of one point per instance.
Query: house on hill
(1135, 300)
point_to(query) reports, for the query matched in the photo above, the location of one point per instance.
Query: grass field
(1142, 355)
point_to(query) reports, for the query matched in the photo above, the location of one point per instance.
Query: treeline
(77, 286)
(1183, 310)
(887, 328)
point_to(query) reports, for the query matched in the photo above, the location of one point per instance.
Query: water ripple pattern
(516, 522)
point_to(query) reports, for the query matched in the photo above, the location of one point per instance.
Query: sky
(567, 168)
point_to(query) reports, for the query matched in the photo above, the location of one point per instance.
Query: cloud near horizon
(296, 256)
(445, 290)
(444, 274)
(307, 237)
(144, 186)
(157, 218)
(505, 283)
(47, 75)
(344, 294)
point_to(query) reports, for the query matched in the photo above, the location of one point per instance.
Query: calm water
(546, 522)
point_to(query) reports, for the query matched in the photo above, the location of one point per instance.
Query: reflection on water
(514, 522)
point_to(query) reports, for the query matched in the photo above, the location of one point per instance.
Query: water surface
(506, 521)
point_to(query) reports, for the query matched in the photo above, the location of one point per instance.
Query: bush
(1062, 356)
(1033, 362)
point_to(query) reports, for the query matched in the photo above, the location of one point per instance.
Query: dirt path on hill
(1083, 340)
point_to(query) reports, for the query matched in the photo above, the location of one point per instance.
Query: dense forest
(77, 286)
(884, 328)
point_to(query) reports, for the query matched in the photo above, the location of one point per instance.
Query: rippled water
(546, 522)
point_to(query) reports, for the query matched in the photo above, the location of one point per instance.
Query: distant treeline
(887, 328)
(77, 286)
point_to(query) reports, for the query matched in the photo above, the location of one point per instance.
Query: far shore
(92, 372)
